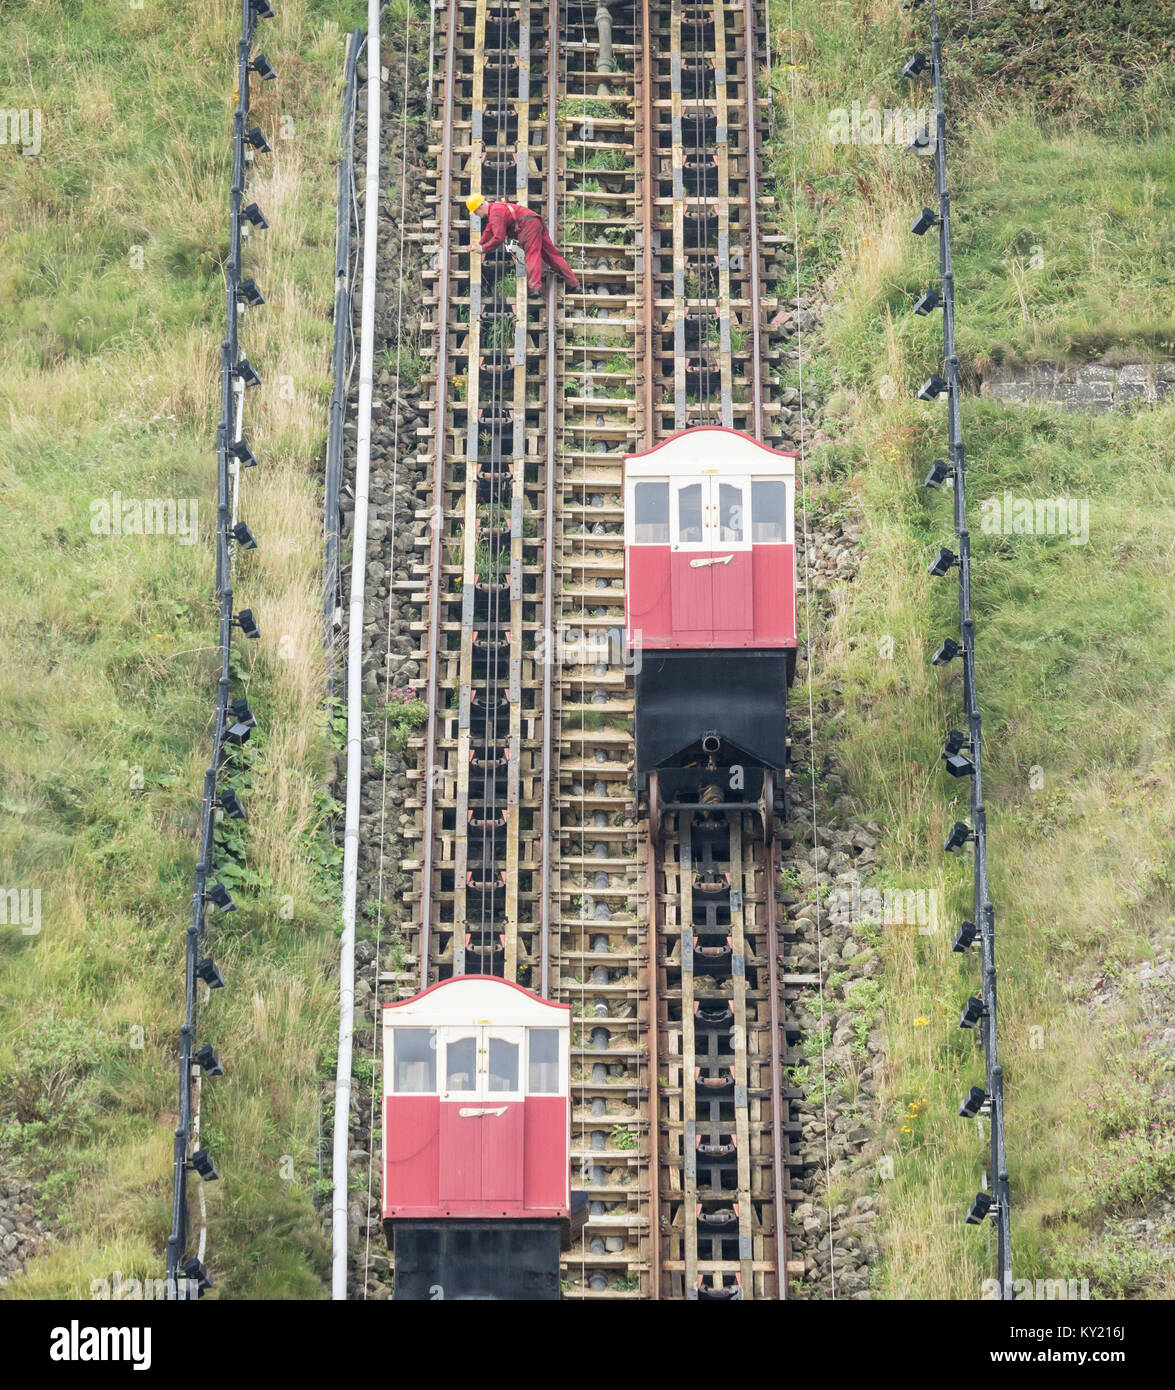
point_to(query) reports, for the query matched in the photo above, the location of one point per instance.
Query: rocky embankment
(22, 1232)
(396, 540)
(827, 874)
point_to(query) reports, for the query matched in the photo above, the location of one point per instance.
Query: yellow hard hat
(474, 203)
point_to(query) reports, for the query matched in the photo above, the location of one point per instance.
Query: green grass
(1047, 53)
(403, 717)
(612, 161)
(571, 108)
(111, 289)
(1076, 643)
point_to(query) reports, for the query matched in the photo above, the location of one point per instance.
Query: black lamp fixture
(965, 938)
(208, 1061)
(256, 138)
(262, 9)
(940, 471)
(241, 711)
(946, 653)
(932, 387)
(238, 733)
(972, 1013)
(208, 971)
(973, 1102)
(248, 624)
(243, 723)
(921, 224)
(221, 897)
(930, 300)
(250, 293)
(263, 68)
(247, 372)
(921, 143)
(242, 453)
(202, 1162)
(942, 562)
(915, 67)
(244, 537)
(958, 836)
(979, 1208)
(196, 1275)
(254, 215)
(230, 803)
(958, 763)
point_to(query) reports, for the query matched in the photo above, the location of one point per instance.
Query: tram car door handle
(710, 560)
(472, 1112)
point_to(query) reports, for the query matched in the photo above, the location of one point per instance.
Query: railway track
(485, 842)
(719, 1103)
(635, 130)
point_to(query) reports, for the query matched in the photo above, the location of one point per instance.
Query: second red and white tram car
(477, 1126)
(710, 617)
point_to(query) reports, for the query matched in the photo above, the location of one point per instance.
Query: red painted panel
(751, 602)
(648, 607)
(693, 600)
(734, 599)
(547, 1141)
(411, 1150)
(775, 595)
(501, 1150)
(461, 1153)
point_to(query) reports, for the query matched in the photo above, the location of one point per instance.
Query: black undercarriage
(711, 731)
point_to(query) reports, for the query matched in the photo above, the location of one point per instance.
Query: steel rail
(779, 1174)
(654, 1126)
(549, 654)
(648, 149)
(436, 520)
(753, 208)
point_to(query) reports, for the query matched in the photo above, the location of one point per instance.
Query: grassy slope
(110, 383)
(1076, 643)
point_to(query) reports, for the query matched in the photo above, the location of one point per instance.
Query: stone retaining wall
(1082, 385)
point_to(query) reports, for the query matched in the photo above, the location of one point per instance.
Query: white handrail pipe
(340, 1172)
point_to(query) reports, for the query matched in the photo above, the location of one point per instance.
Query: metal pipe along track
(342, 1112)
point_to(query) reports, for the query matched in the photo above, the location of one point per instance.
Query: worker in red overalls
(502, 220)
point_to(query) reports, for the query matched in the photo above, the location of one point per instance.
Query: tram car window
(651, 504)
(416, 1060)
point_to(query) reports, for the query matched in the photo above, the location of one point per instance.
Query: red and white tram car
(477, 1128)
(710, 617)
